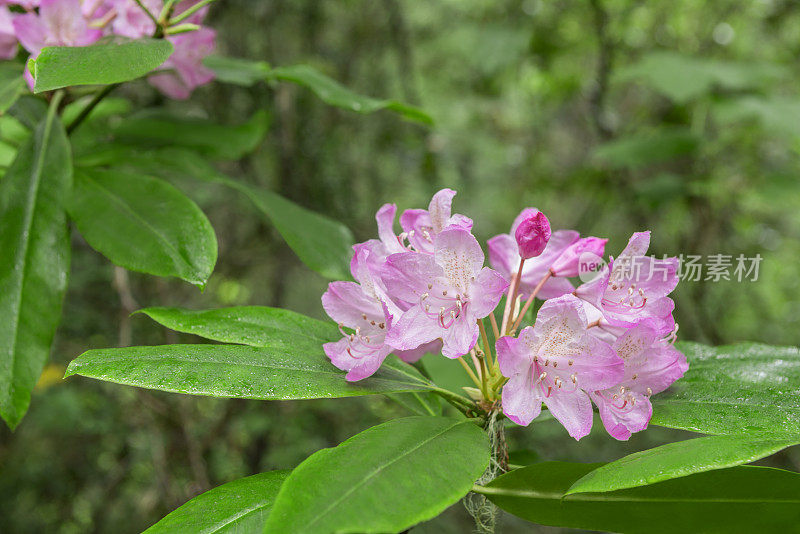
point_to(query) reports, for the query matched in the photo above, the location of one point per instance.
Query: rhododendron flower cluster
(607, 341)
(35, 24)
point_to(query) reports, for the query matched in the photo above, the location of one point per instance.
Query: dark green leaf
(647, 149)
(735, 389)
(99, 64)
(12, 85)
(419, 403)
(385, 479)
(678, 459)
(267, 373)
(333, 93)
(34, 260)
(237, 507)
(143, 224)
(29, 110)
(739, 499)
(237, 71)
(155, 129)
(684, 78)
(323, 244)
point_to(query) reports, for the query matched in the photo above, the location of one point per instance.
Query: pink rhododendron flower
(360, 307)
(532, 233)
(184, 70)
(447, 292)
(568, 263)
(652, 364)
(8, 39)
(504, 257)
(130, 19)
(634, 287)
(58, 23)
(420, 227)
(557, 362)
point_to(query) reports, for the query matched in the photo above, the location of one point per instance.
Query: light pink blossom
(8, 38)
(568, 262)
(131, 20)
(361, 307)
(420, 227)
(652, 364)
(58, 23)
(447, 291)
(532, 233)
(634, 287)
(557, 362)
(184, 70)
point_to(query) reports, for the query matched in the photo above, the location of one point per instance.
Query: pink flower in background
(184, 70)
(420, 227)
(130, 19)
(652, 364)
(532, 233)
(447, 292)
(567, 263)
(634, 287)
(504, 257)
(360, 307)
(556, 362)
(8, 38)
(58, 23)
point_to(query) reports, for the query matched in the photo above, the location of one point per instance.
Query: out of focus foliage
(678, 116)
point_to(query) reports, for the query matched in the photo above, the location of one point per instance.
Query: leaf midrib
(181, 256)
(372, 474)
(37, 175)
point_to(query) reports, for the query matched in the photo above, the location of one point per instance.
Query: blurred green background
(678, 116)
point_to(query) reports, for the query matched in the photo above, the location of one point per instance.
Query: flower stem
(189, 12)
(461, 403)
(496, 330)
(147, 12)
(469, 370)
(98, 97)
(528, 302)
(511, 296)
(487, 349)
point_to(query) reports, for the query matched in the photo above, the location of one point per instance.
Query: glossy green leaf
(156, 129)
(257, 326)
(323, 244)
(333, 93)
(739, 499)
(419, 403)
(735, 389)
(143, 224)
(237, 71)
(237, 507)
(385, 479)
(99, 64)
(34, 260)
(236, 371)
(677, 459)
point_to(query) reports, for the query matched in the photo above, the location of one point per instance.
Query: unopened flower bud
(567, 264)
(532, 233)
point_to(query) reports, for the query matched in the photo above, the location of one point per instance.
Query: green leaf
(739, 499)
(419, 403)
(323, 244)
(385, 479)
(29, 111)
(333, 93)
(99, 64)
(734, 389)
(678, 459)
(776, 114)
(156, 129)
(237, 71)
(257, 326)
(240, 506)
(641, 150)
(685, 78)
(301, 371)
(34, 260)
(143, 224)
(12, 85)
